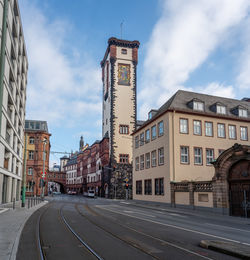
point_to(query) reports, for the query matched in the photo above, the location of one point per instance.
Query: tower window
(124, 51)
(123, 158)
(124, 129)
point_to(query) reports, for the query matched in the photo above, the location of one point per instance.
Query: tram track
(95, 213)
(41, 245)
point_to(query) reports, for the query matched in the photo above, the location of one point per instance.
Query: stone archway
(232, 176)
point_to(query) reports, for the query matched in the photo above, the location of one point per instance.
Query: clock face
(124, 74)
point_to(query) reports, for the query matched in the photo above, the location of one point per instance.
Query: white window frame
(242, 112)
(209, 128)
(160, 128)
(161, 156)
(184, 125)
(153, 159)
(231, 131)
(142, 160)
(198, 156)
(184, 154)
(197, 105)
(197, 127)
(147, 157)
(221, 131)
(220, 109)
(209, 156)
(147, 136)
(137, 165)
(243, 133)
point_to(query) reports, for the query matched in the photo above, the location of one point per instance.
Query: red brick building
(37, 142)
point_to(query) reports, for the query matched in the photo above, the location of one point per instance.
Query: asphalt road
(106, 229)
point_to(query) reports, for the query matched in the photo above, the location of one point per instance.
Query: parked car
(69, 192)
(73, 192)
(91, 193)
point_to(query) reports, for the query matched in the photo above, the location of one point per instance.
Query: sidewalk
(11, 226)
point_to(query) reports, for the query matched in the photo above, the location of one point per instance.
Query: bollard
(28, 203)
(14, 200)
(32, 201)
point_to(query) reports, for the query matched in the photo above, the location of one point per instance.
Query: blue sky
(202, 46)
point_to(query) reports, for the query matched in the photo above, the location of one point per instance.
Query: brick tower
(119, 111)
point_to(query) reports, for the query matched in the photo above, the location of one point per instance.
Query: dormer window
(242, 112)
(197, 105)
(220, 109)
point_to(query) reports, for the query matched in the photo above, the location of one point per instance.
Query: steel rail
(142, 233)
(112, 234)
(79, 238)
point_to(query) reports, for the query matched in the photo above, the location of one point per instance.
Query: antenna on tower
(121, 25)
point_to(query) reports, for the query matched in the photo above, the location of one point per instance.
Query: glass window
(124, 129)
(242, 112)
(160, 128)
(142, 162)
(185, 154)
(209, 156)
(32, 140)
(153, 132)
(243, 133)
(153, 158)
(137, 141)
(159, 186)
(137, 163)
(147, 135)
(138, 187)
(148, 187)
(197, 127)
(30, 171)
(147, 160)
(198, 106)
(184, 126)
(31, 155)
(221, 109)
(232, 131)
(161, 156)
(198, 155)
(208, 128)
(221, 130)
(123, 158)
(142, 139)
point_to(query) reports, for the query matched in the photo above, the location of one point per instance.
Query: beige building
(119, 108)
(175, 148)
(13, 81)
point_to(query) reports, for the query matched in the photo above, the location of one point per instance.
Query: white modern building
(13, 81)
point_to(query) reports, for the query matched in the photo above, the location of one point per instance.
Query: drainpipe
(173, 145)
(2, 56)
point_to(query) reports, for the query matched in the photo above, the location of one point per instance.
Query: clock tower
(119, 110)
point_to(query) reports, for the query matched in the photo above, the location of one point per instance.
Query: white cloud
(243, 79)
(183, 38)
(64, 88)
(217, 89)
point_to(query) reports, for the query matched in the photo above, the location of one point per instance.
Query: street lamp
(43, 174)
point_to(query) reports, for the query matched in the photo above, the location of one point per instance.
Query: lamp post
(43, 174)
(24, 172)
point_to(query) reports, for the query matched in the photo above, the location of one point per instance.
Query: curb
(233, 249)
(18, 235)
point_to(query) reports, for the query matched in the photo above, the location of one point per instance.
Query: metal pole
(43, 175)
(24, 172)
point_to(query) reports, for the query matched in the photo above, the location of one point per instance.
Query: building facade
(119, 108)
(37, 156)
(175, 149)
(13, 81)
(71, 173)
(56, 180)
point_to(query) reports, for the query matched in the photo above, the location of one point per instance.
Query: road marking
(178, 215)
(125, 203)
(137, 212)
(210, 224)
(158, 239)
(173, 226)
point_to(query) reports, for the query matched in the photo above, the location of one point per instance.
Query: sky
(196, 45)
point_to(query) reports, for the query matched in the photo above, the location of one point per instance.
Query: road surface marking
(125, 203)
(210, 224)
(158, 239)
(137, 212)
(173, 226)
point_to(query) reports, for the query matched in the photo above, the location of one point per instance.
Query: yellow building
(174, 150)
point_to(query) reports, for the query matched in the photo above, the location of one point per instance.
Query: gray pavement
(11, 225)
